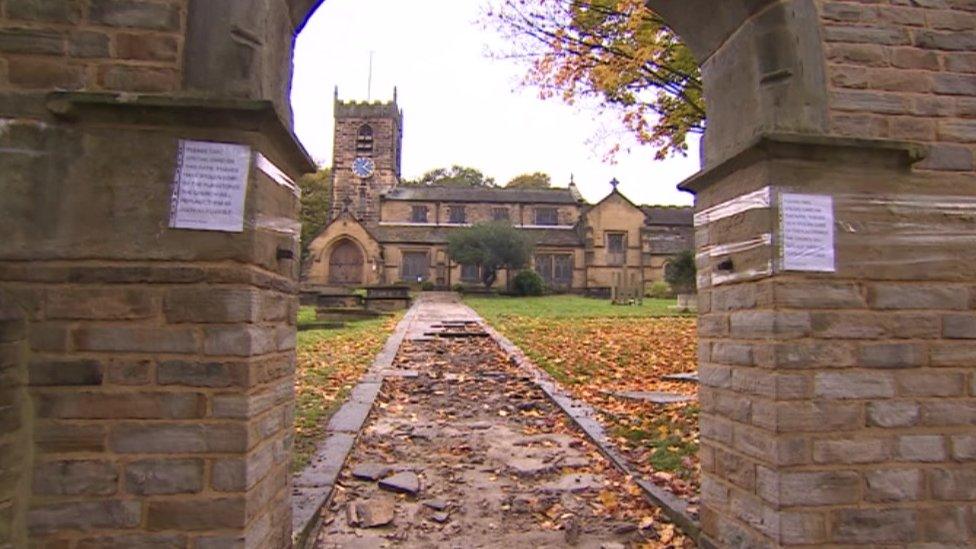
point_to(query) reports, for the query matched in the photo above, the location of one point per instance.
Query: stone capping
(229, 114)
(313, 486)
(584, 417)
(799, 146)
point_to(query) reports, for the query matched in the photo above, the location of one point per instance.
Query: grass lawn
(595, 349)
(567, 306)
(330, 363)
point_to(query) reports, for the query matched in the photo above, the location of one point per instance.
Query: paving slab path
(463, 450)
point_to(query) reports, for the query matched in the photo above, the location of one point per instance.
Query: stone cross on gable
(614, 182)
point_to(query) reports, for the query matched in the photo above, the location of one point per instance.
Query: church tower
(366, 155)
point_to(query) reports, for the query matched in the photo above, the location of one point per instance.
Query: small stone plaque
(209, 186)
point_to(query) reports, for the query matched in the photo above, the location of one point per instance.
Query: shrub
(680, 273)
(660, 290)
(493, 246)
(528, 283)
(427, 286)
(459, 288)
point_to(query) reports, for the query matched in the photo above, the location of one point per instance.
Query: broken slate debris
(371, 471)
(574, 482)
(441, 517)
(469, 423)
(654, 397)
(691, 377)
(406, 482)
(436, 504)
(372, 513)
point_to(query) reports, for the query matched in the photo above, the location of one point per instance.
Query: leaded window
(546, 216)
(616, 248)
(455, 214)
(470, 273)
(418, 214)
(555, 269)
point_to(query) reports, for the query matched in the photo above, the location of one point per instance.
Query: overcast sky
(460, 105)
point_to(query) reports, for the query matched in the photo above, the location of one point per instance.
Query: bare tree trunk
(489, 276)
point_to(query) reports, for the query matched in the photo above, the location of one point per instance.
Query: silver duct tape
(736, 247)
(752, 201)
(718, 279)
(274, 172)
(276, 224)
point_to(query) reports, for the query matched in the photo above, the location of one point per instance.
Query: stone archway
(347, 263)
(838, 408)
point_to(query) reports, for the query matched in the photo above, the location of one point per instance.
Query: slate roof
(387, 234)
(669, 215)
(481, 194)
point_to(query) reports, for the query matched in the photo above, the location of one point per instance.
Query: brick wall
(162, 397)
(907, 71)
(15, 425)
(115, 45)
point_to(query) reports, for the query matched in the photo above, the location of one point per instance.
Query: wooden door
(416, 266)
(346, 264)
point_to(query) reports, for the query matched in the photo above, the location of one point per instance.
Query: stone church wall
(396, 211)
(321, 248)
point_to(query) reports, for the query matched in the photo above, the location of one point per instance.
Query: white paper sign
(209, 186)
(807, 232)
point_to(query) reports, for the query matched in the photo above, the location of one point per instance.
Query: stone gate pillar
(158, 360)
(838, 404)
(15, 443)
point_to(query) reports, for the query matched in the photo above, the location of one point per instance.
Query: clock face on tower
(363, 167)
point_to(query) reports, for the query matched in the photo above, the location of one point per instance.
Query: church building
(381, 232)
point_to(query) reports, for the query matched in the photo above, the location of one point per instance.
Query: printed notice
(209, 186)
(807, 232)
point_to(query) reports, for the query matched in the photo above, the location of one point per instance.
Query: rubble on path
(371, 514)
(371, 471)
(479, 457)
(403, 483)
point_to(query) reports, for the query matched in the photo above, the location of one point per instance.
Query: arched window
(364, 140)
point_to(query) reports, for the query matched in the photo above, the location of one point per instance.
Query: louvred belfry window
(364, 140)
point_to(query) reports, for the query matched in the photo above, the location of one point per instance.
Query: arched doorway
(346, 263)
